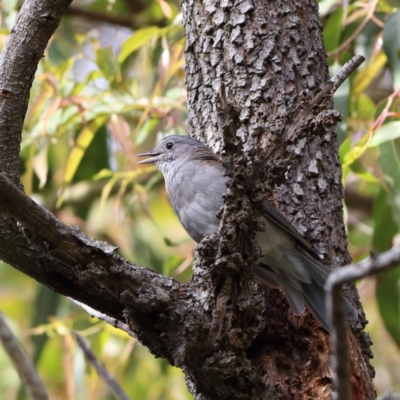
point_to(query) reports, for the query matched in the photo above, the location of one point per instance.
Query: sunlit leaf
(387, 284)
(83, 141)
(325, 6)
(106, 61)
(166, 8)
(105, 194)
(144, 131)
(348, 155)
(365, 108)
(41, 165)
(120, 131)
(344, 149)
(386, 132)
(137, 40)
(170, 264)
(364, 77)
(361, 172)
(391, 44)
(333, 30)
(104, 173)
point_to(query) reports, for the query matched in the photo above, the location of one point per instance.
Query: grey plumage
(195, 183)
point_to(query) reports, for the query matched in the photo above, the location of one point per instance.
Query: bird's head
(173, 150)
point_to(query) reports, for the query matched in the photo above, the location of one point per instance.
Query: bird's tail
(314, 293)
(311, 293)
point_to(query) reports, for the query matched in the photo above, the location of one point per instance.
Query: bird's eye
(169, 145)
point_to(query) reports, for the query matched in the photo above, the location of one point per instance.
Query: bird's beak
(154, 157)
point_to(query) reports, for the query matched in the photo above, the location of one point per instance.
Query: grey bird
(195, 183)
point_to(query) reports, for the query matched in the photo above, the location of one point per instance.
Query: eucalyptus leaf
(385, 133)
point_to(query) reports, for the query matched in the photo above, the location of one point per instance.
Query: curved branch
(101, 371)
(89, 271)
(19, 59)
(334, 284)
(24, 366)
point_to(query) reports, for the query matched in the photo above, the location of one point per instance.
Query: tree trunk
(271, 59)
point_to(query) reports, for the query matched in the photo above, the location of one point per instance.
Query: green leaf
(391, 44)
(389, 160)
(83, 141)
(361, 172)
(385, 226)
(106, 61)
(171, 264)
(344, 149)
(41, 165)
(145, 130)
(388, 297)
(365, 107)
(387, 286)
(168, 242)
(137, 40)
(104, 173)
(333, 30)
(385, 133)
(365, 77)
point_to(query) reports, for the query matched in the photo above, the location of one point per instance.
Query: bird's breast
(195, 191)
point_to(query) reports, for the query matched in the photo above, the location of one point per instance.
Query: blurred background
(110, 85)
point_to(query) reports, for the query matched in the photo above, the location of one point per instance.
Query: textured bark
(218, 329)
(270, 57)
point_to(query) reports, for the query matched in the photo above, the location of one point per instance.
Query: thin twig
(101, 371)
(24, 366)
(327, 92)
(110, 320)
(99, 17)
(359, 29)
(334, 283)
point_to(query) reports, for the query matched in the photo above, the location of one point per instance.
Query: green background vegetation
(104, 92)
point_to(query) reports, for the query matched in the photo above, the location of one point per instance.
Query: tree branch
(89, 271)
(37, 21)
(112, 321)
(101, 17)
(334, 283)
(26, 370)
(101, 371)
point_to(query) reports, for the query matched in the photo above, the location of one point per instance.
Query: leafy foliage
(369, 140)
(105, 92)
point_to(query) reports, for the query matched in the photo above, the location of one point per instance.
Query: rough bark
(218, 328)
(271, 60)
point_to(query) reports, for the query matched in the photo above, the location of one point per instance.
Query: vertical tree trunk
(271, 59)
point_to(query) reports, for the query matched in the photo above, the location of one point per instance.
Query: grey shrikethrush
(195, 183)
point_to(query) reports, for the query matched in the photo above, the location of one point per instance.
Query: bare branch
(101, 371)
(102, 17)
(40, 220)
(112, 321)
(24, 366)
(350, 273)
(37, 21)
(88, 271)
(326, 93)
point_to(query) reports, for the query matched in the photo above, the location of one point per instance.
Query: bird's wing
(277, 218)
